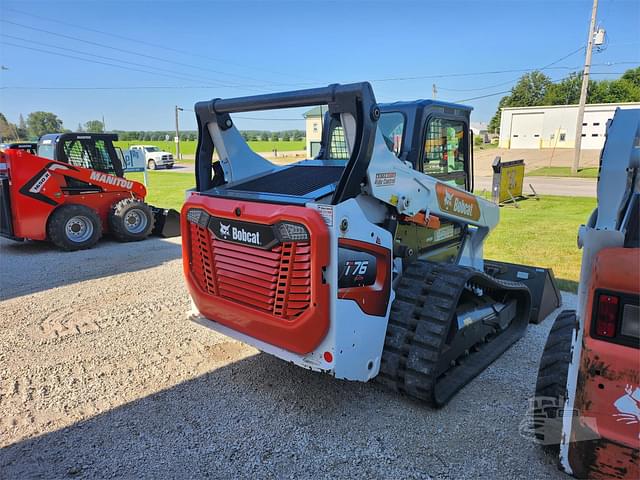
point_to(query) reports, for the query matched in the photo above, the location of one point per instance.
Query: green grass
(563, 172)
(542, 233)
(166, 189)
(189, 148)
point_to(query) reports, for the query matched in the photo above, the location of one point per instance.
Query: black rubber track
(551, 384)
(419, 323)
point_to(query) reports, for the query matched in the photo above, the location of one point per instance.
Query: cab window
(390, 124)
(445, 148)
(89, 154)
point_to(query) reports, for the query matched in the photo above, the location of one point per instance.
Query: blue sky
(202, 50)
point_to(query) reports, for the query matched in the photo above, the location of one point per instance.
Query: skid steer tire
(551, 385)
(131, 220)
(74, 227)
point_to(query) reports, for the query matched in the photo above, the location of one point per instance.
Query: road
(101, 376)
(565, 186)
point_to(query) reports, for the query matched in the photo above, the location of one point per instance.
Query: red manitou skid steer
(588, 388)
(72, 192)
(363, 263)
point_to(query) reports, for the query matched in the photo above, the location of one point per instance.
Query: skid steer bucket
(167, 222)
(545, 294)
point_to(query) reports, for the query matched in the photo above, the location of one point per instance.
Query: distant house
(554, 126)
(313, 123)
(481, 129)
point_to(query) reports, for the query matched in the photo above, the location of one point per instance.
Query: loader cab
(87, 150)
(433, 136)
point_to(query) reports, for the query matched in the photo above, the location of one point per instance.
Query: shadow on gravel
(262, 418)
(29, 267)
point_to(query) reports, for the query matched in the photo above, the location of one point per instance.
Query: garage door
(526, 130)
(594, 126)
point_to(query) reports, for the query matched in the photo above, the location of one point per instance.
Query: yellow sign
(511, 180)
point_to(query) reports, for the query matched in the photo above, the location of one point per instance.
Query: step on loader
(365, 262)
(72, 192)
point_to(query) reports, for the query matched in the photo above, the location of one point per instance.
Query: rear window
(391, 125)
(46, 151)
(89, 154)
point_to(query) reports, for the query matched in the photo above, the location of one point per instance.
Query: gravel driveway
(102, 376)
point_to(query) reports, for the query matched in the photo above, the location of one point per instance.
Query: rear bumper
(311, 362)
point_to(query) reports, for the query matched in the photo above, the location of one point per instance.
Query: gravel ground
(101, 376)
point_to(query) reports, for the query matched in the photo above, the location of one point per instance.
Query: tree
(265, 136)
(39, 123)
(22, 127)
(632, 75)
(80, 129)
(275, 137)
(8, 130)
(94, 126)
(567, 92)
(530, 90)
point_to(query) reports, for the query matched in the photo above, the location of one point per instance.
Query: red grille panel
(276, 281)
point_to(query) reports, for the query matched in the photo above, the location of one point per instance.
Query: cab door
(447, 151)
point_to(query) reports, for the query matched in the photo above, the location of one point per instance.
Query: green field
(165, 189)
(189, 148)
(541, 233)
(563, 172)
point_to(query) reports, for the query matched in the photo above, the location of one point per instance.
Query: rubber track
(419, 322)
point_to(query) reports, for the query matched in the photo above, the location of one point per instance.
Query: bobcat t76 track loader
(363, 263)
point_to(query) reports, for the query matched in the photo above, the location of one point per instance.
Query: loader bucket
(167, 223)
(545, 295)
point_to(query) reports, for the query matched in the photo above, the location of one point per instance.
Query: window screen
(89, 154)
(445, 149)
(337, 143)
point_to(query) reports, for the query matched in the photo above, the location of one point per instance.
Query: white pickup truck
(154, 157)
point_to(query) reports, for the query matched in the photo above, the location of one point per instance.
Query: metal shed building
(555, 126)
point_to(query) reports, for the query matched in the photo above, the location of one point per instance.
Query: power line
(104, 63)
(154, 68)
(155, 45)
(123, 50)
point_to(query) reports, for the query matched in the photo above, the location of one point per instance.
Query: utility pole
(177, 139)
(583, 90)
(434, 91)
(104, 127)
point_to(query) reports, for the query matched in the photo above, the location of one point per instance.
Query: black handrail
(356, 99)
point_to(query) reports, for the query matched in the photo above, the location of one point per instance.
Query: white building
(555, 126)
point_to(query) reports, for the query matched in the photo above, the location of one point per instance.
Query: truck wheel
(74, 227)
(131, 220)
(151, 165)
(551, 386)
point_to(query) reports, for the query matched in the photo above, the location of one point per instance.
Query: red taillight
(607, 316)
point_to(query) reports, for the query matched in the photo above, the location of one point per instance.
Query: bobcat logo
(629, 406)
(224, 230)
(448, 198)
